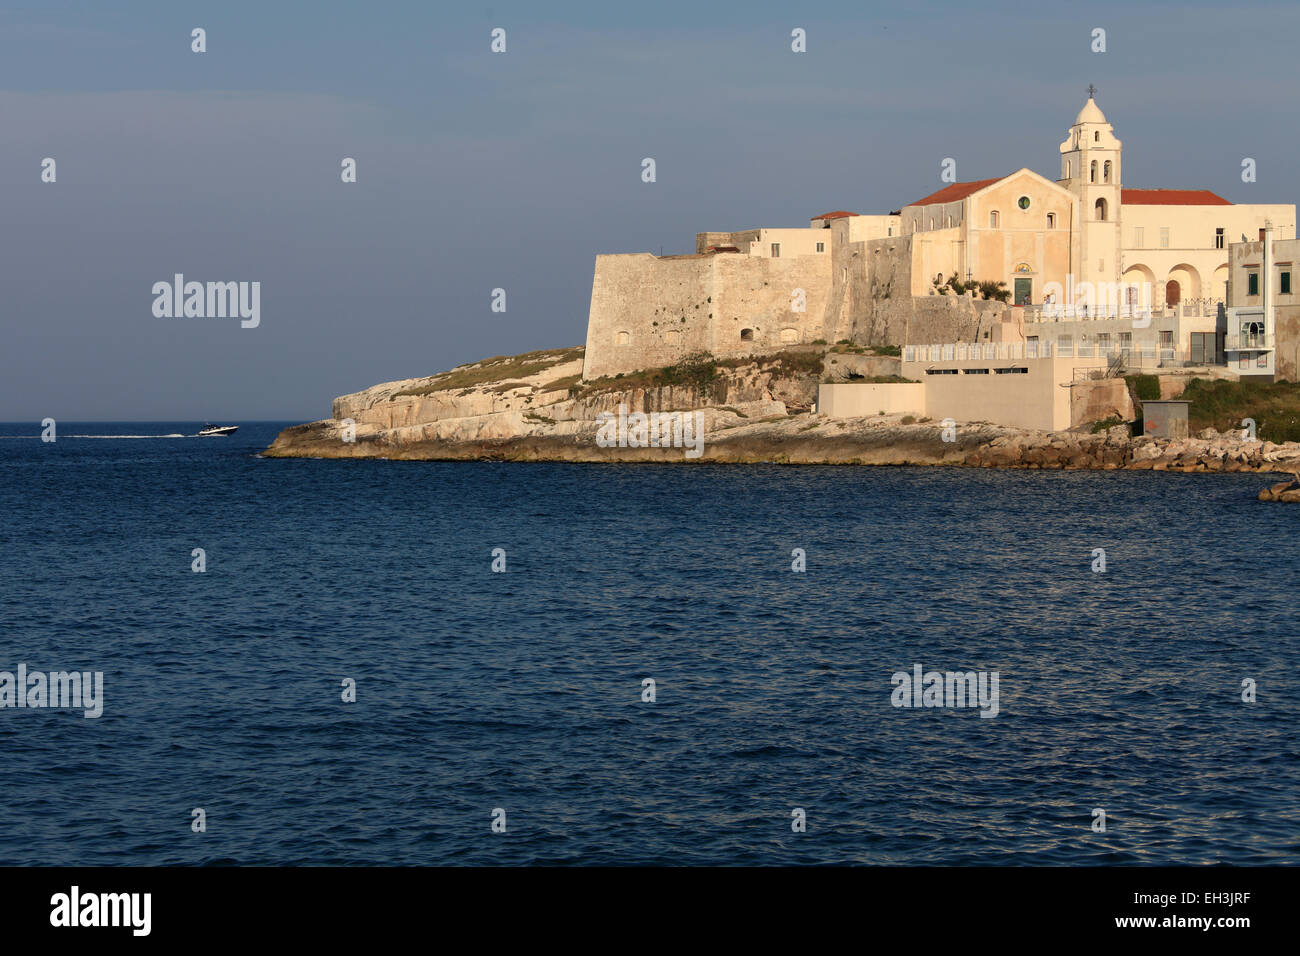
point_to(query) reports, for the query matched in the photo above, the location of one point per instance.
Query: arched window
(1096, 136)
(1105, 172)
(1067, 169)
(624, 338)
(1051, 220)
(746, 335)
(1100, 208)
(1092, 172)
(993, 219)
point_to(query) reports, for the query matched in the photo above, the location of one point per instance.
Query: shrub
(699, 371)
(1145, 387)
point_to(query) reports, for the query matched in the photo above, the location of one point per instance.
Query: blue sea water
(523, 690)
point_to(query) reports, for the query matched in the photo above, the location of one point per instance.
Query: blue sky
(479, 171)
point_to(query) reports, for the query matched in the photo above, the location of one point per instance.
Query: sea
(312, 662)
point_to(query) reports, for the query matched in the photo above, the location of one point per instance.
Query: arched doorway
(1173, 294)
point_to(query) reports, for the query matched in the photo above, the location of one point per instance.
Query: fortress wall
(883, 311)
(740, 240)
(648, 298)
(718, 296)
(757, 293)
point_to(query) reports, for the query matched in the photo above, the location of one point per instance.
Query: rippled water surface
(476, 690)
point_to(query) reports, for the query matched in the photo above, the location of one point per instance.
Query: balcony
(1257, 343)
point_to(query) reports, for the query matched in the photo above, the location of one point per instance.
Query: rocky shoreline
(535, 407)
(730, 436)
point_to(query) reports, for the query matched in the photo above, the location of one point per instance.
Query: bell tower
(1091, 168)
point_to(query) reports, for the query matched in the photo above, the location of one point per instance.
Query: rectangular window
(940, 371)
(975, 371)
(1166, 340)
(1284, 286)
(1139, 237)
(1164, 237)
(1012, 371)
(821, 247)
(776, 250)
(1252, 283)
(1103, 341)
(1126, 341)
(1218, 238)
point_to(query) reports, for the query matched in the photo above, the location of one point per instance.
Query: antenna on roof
(1092, 91)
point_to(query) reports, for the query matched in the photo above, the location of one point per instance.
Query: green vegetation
(1145, 387)
(534, 417)
(876, 379)
(1105, 423)
(701, 370)
(987, 288)
(895, 350)
(909, 420)
(494, 370)
(1223, 405)
(568, 383)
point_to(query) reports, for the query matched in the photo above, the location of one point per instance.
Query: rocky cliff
(535, 407)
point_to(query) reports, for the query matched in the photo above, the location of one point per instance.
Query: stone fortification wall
(649, 311)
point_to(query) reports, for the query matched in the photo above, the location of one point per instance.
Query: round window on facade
(1023, 202)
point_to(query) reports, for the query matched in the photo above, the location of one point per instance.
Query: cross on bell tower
(1092, 91)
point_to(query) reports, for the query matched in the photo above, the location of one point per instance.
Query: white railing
(1203, 307)
(1143, 356)
(1248, 341)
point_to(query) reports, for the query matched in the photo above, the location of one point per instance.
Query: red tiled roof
(1170, 197)
(955, 192)
(840, 214)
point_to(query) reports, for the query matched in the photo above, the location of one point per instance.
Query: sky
(479, 170)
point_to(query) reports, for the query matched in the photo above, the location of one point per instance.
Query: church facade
(1082, 248)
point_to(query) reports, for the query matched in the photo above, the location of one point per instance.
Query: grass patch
(494, 369)
(701, 371)
(568, 383)
(1105, 423)
(1145, 387)
(1223, 405)
(893, 350)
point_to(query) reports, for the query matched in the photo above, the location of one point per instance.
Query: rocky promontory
(535, 407)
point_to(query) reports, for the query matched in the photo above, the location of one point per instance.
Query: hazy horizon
(479, 171)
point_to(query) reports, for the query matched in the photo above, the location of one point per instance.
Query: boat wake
(173, 435)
